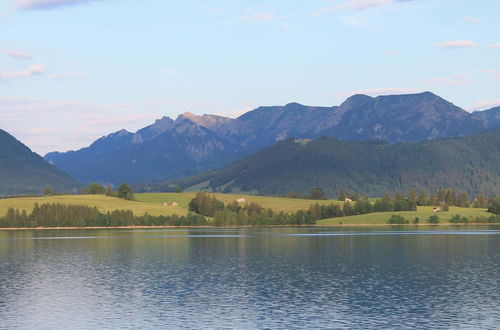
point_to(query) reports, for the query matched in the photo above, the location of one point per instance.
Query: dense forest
(470, 164)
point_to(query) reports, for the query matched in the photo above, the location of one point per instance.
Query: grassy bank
(154, 204)
(423, 213)
(103, 204)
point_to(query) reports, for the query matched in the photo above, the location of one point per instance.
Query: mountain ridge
(25, 172)
(205, 142)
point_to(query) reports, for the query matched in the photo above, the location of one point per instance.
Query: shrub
(433, 219)
(397, 220)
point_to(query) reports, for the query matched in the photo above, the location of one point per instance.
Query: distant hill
(469, 164)
(24, 172)
(192, 144)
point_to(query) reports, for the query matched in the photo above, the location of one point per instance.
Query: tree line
(124, 191)
(396, 219)
(250, 214)
(421, 198)
(61, 215)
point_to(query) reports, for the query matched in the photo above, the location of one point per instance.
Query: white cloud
(455, 80)
(380, 91)
(358, 5)
(63, 75)
(456, 44)
(495, 74)
(257, 17)
(210, 10)
(392, 52)
(247, 106)
(34, 70)
(484, 105)
(18, 54)
(497, 45)
(69, 124)
(470, 19)
(48, 4)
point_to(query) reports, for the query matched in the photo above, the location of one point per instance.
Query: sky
(72, 71)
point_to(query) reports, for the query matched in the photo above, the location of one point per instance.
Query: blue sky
(74, 70)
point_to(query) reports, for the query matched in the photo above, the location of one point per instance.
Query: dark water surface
(251, 278)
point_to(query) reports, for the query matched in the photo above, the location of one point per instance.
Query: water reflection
(250, 278)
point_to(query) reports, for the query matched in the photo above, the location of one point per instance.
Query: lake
(378, 277)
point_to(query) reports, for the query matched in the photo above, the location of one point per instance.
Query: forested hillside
(24, 172)
(470, 164)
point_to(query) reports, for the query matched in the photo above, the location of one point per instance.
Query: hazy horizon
(72, 71)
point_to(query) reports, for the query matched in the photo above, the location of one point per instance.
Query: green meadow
(423, 213)
(103, 204)
(161, 204)
(288, 205)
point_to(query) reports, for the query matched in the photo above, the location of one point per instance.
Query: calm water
(251, 278)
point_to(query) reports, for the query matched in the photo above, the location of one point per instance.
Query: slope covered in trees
(24, 172)
(470, 164)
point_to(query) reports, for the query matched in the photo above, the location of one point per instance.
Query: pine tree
(412, 196)
(125, 192)
(433, 200)
(109, 190)
(481, 202)
(341, 196)
(451, 197)
(47, 191)
(464, 200)
(317, 193)
(422, 198)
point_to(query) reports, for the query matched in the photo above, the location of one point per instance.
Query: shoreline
(265, 226)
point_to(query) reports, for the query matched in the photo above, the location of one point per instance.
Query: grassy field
(423, 213)
(154, 204)
(103, 203)
(288, 205)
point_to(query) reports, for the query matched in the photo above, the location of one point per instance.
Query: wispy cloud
(455, 80)
(257, 17)
(470, 19)
(495, 74)
(34, 70)
(210, 10)
(358, 5)
(456, 44)
(497, 45)
(49, 4)
(484, 105)
(380, 91)
(69, 124)
(63, 75)
(18, 54)
(392, 52)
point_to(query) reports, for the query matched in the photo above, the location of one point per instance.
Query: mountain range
(470, 164)
(191, 144)
(25, 172)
